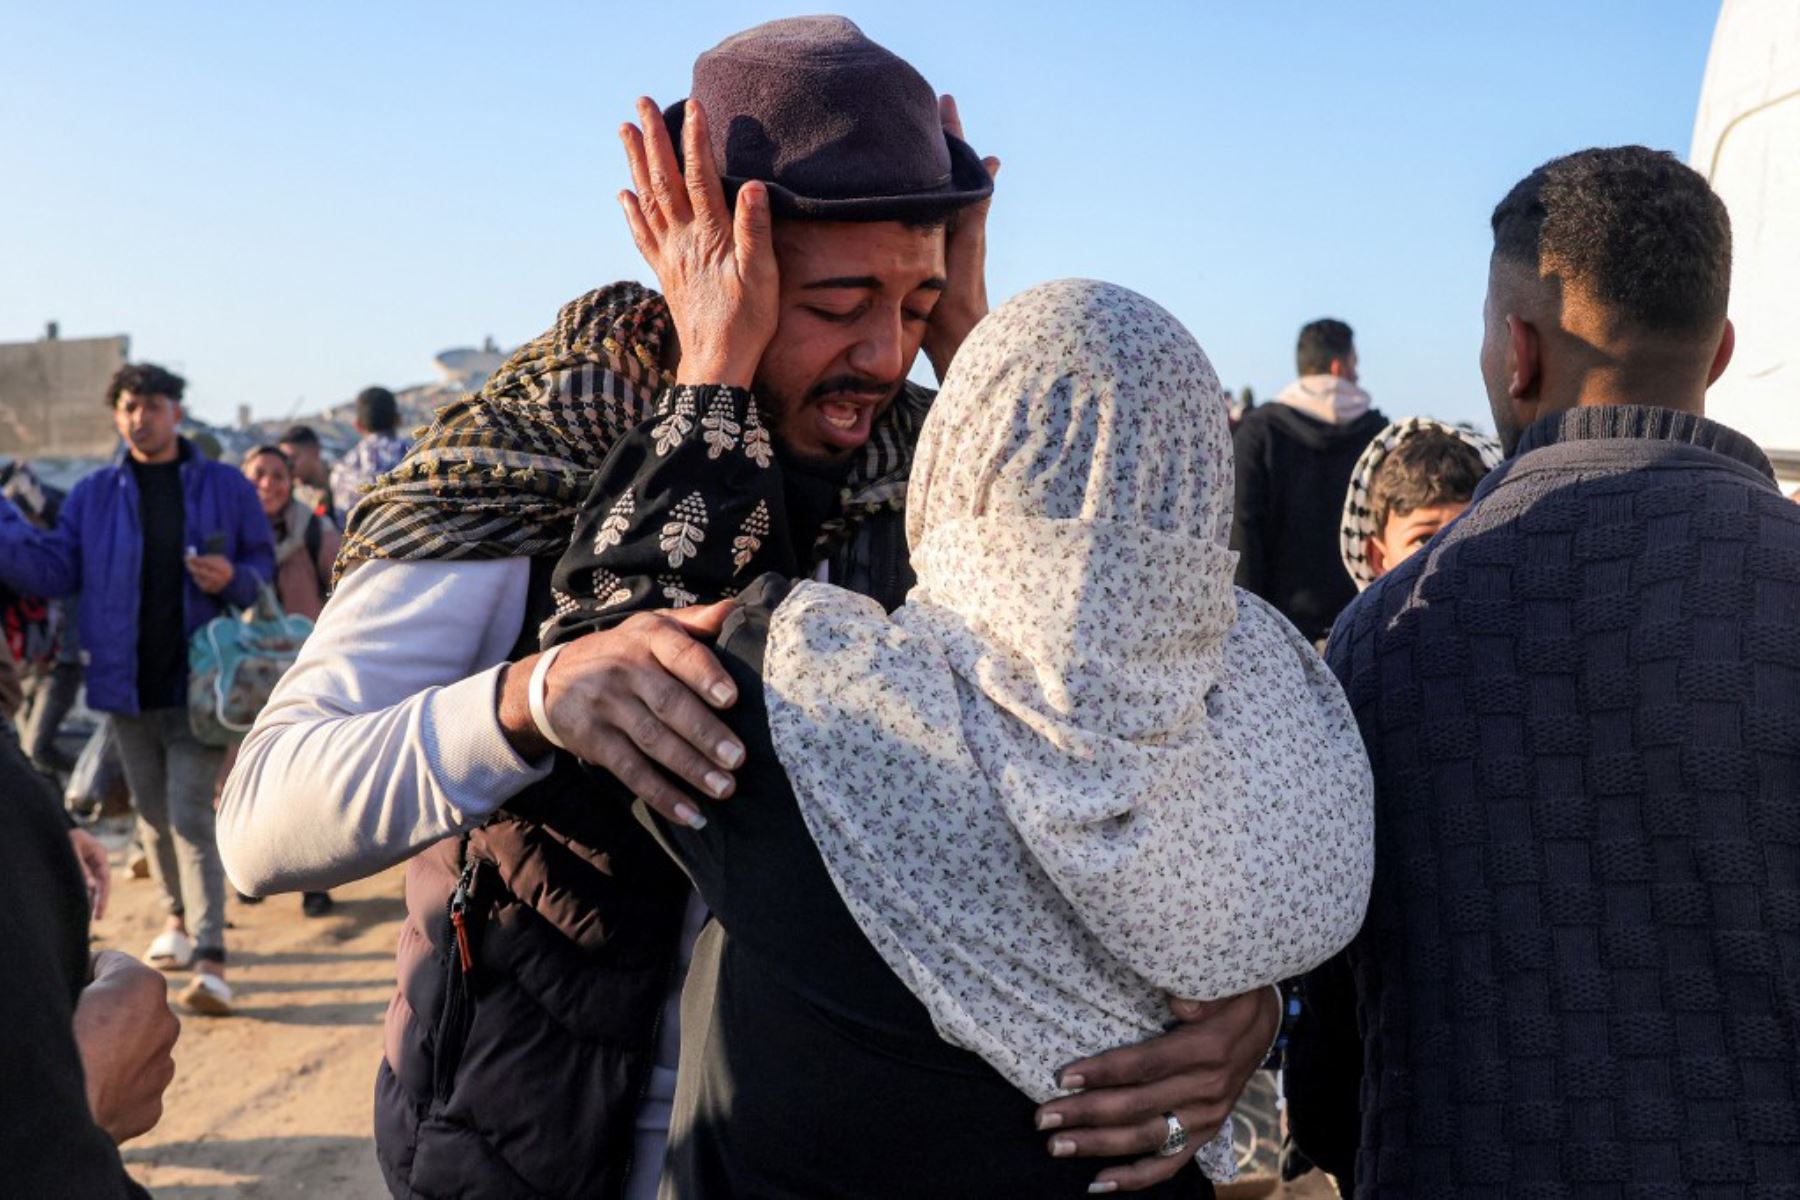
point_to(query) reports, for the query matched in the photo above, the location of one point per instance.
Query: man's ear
(1524, 369)
(1375, 551)
(1339, 368)
(1722, 356)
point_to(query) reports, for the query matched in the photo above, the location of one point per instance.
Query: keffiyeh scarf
(1358, 525)
(1078, 771)
(501, 473)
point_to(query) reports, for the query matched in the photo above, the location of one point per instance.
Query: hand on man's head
(965, 300)
(125, 1033)
(638, 700)
(716, 267)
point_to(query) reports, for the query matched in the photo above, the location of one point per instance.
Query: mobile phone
(215, 542)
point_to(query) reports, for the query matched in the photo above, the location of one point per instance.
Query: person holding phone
(159, 542)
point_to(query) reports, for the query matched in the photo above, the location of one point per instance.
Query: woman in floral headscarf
(990, 833)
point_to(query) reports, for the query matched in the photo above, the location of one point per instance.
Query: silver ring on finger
(1177, 1139)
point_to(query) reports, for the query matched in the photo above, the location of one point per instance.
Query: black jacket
(50, 1146)
(1293, 472)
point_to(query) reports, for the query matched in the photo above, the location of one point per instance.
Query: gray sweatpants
(171, 779)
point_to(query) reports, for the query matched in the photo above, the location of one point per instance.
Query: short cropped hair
(376, 410)
(1429, 468)
(1320, 342)
(1634, 228)
(144, 379)
(299, 435)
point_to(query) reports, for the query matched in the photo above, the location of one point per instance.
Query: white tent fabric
(1747, 144)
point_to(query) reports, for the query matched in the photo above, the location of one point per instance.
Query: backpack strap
(315, 538)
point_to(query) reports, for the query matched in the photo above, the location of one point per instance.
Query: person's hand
(96, 869)
(716, 268)
(964, 301)
(637, 700)
(125, 1032)
(1197, 1072)
(212, 572)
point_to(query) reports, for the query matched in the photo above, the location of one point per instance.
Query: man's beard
(773, 403)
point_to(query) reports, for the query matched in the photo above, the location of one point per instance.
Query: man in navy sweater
(1580, 971)
(157, 543)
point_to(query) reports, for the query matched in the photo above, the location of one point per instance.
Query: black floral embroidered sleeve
(688, 508)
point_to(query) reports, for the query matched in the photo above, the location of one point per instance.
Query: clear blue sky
(288, 205)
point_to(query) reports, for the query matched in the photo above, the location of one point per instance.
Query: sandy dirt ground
(276, 1101)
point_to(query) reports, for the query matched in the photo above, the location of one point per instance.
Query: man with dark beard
(531, 1045)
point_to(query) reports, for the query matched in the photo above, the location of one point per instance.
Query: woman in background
(306, 545)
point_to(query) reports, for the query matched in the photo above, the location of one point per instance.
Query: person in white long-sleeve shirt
(531, 1038)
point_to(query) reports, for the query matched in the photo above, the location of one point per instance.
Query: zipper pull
(459, 903)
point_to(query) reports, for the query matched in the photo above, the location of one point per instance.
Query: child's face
(1403, 535)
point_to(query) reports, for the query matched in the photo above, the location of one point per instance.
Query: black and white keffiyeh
(1358, 524)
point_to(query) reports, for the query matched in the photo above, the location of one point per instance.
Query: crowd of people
(813, 785)
(159, 542)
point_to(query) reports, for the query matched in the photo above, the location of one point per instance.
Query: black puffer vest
(532, 966)
(519, 1049)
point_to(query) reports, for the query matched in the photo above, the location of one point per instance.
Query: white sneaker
(172, 950)
(207, 994)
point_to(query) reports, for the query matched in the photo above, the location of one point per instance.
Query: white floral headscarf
(1078, 771)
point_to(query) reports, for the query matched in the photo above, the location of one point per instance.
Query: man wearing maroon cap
(830, 227)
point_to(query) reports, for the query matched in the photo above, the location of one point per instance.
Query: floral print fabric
(1078, 771)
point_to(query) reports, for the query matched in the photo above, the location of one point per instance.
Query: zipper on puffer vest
(459, 964)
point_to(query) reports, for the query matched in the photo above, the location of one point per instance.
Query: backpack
(234, 663)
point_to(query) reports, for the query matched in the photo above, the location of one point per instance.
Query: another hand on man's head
(638, 701)
(965, 300)
(716, 267)
(125, 1033)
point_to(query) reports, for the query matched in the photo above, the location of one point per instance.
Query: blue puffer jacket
(97, 549)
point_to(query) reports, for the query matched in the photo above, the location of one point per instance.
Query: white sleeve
(384, 736)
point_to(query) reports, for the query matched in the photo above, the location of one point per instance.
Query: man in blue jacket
(158, 543)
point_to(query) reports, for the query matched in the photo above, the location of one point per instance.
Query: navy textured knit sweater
(1580, 972)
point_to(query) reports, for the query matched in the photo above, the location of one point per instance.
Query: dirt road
(276, 1100)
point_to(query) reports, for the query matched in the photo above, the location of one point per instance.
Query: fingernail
(690, 816)
(1049, 1120)
(718, 783)
(731, 754)
(722, 693)
(1101, 1187)
(1062, 1147)
(1072, 1082)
